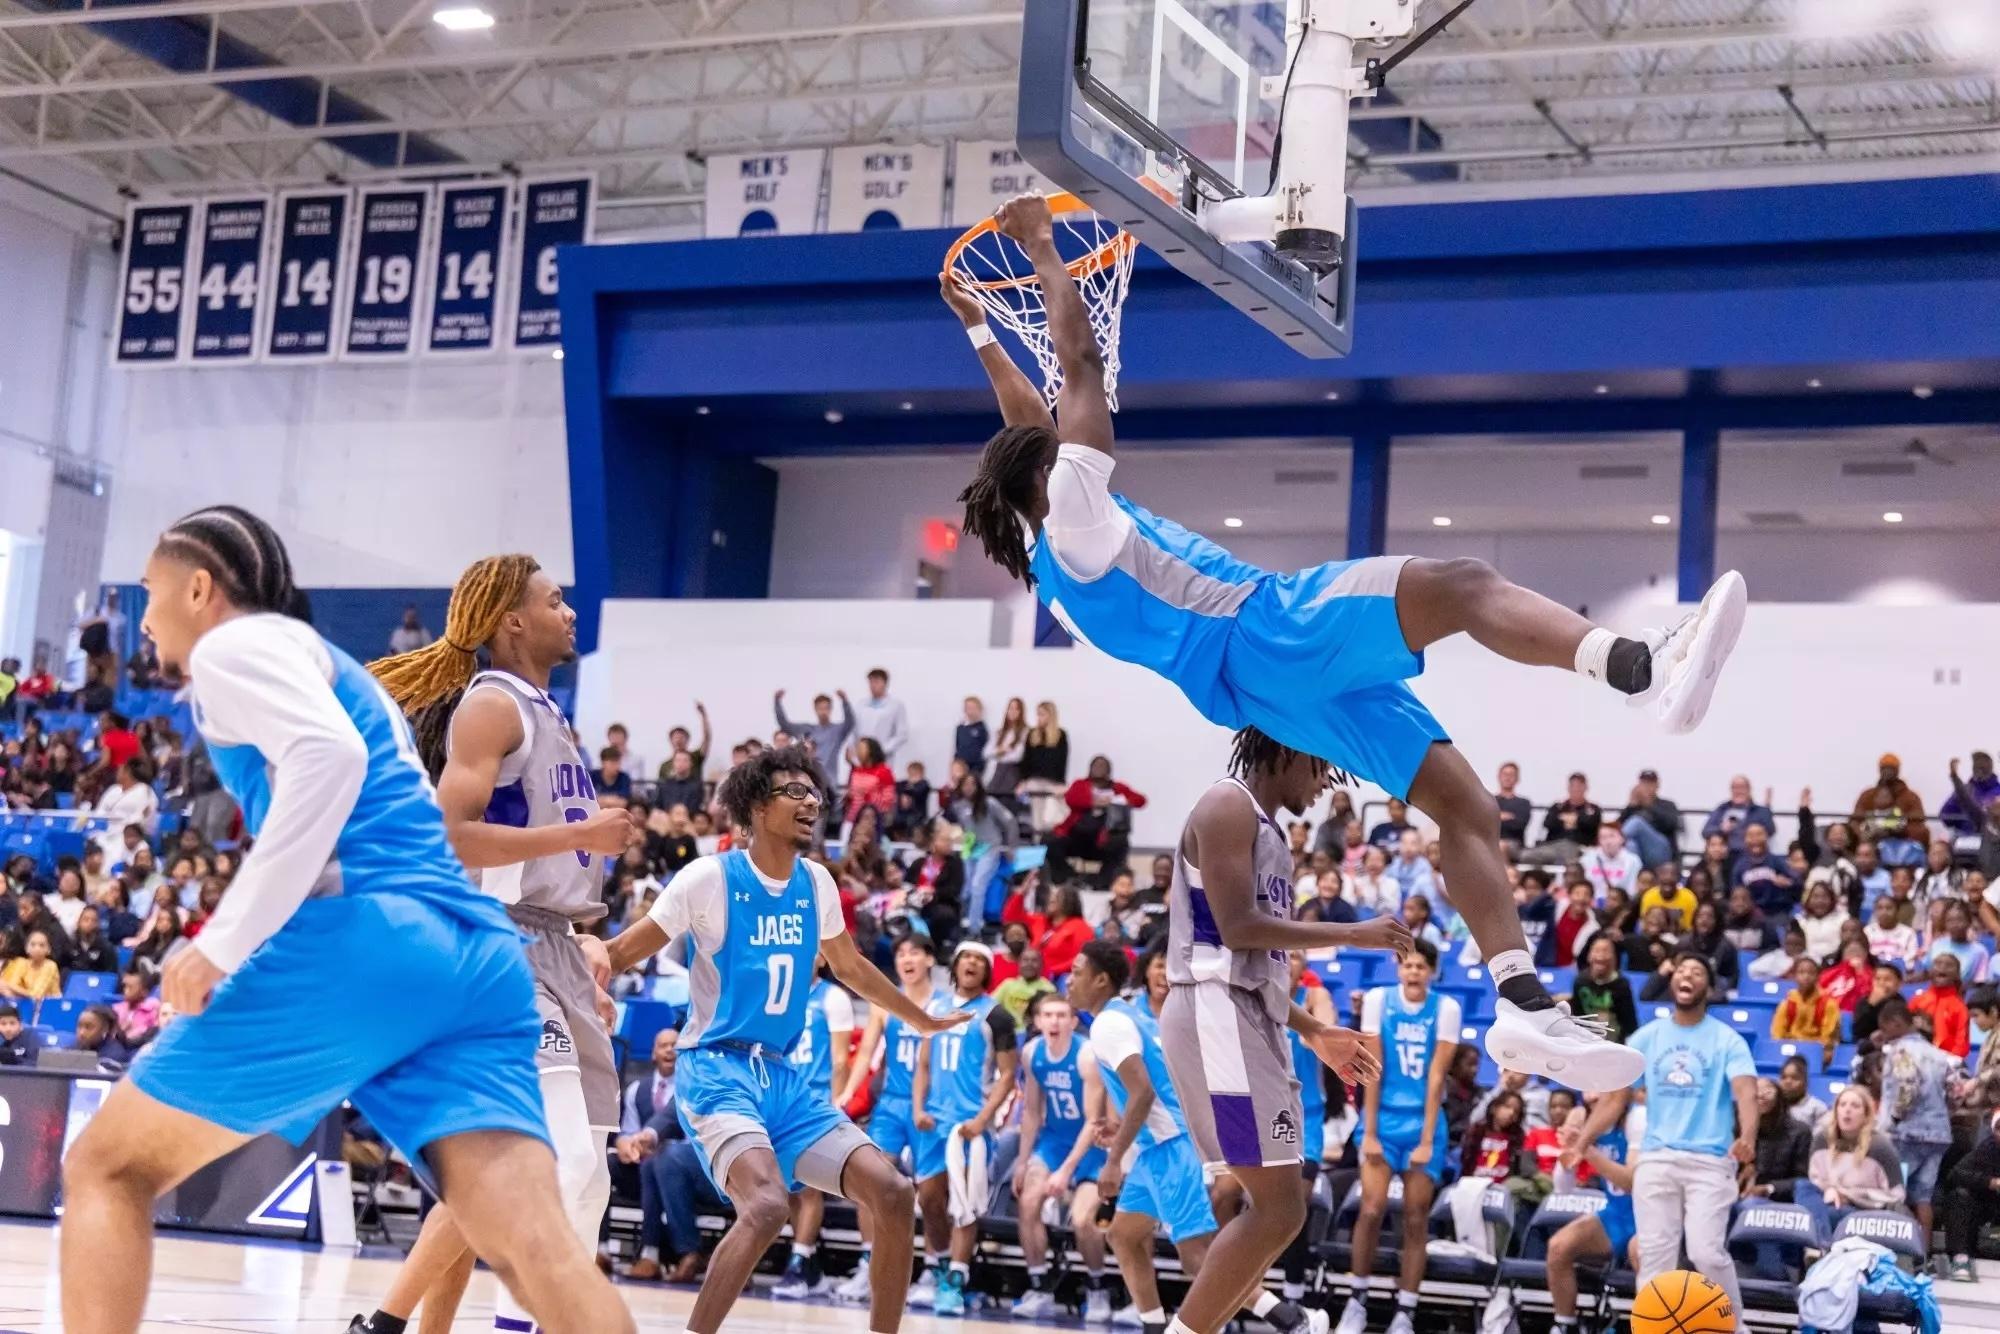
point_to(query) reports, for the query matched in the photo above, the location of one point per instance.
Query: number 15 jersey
(755, 943)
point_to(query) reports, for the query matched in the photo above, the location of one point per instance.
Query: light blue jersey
(812, 1056)
(1237, 640)
(899, 1061)
(1133, 1027)
(1689, 1104)
(1061, 1080)
(769, 947)
(393, 839)
(402, 974)
(1306, 1065)
(1410, 1035)
(963, 1058)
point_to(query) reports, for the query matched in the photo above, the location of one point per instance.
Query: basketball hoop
(994, 269)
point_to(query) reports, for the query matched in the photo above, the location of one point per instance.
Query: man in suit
(647, 1120)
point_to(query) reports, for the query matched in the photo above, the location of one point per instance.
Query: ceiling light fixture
(1815, 383)
(1232, 522)
(1441, 521)
(701, 410)
(557, 354)
(1603, 389)
(834, 416)
(463, 18)
(1922, 390)
(1893, 516)
(907, 406)
(1663, 519)
(1333, 396)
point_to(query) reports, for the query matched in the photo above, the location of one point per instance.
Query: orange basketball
(1683, 1302)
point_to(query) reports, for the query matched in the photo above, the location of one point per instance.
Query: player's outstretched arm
(1222, 836)
(1020, 402)
(1082, 408)
(865, 980)
(485, 729)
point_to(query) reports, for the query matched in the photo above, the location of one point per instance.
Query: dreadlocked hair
(1254, 751)
(1004, 486)
(244, 556)
(428, 683)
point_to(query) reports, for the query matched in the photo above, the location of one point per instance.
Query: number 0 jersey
(755, 944)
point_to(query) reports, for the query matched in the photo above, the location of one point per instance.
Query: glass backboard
(1147, 110)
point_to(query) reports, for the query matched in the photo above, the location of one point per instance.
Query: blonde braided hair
(428, 683)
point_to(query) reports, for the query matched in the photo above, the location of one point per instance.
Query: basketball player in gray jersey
(523, 816)
(1228, 1005)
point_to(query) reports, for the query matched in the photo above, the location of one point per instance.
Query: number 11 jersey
(755, 943)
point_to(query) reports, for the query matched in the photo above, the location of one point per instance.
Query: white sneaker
(1127, 1317)
(1557, 1045)
(1034, 1304)
(1354, 1319)
(855, 1288)
(1402, 1324)
(1096, 1307)
(1688, 657)
(1317, 1321)
(923, 1293)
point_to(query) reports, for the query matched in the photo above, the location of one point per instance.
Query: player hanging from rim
(1240, 641)
(760, 919)
(1229, 1004)
(351, 929)
(962, 1077)
(523, 817)
(893, 1044)
(1413, 1031)
(1062, 1104)
(821, 1057)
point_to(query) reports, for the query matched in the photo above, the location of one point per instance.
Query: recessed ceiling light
(1893, 516)
(557, 354)
(1232, 522)
(1603, 389)
(834, 416)
(1923, 391)
(907, 406)
(463, 18)
(1441, 521)
(701, 410)
(1815, 383)
(1333, 396)
(1663, 519)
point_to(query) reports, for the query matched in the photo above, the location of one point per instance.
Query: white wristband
(981, 336)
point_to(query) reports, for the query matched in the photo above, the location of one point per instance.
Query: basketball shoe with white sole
(1688, 657)
(1553, 1043)
(1354, 1318)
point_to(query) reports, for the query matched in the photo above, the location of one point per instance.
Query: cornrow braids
(428, 683)
(1004, 486)
(243, 554)
(1254, 751)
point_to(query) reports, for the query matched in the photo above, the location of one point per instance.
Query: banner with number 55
(153, 285)
(383, 287)
(554, 213)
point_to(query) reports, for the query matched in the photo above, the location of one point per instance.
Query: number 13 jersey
(755, 943)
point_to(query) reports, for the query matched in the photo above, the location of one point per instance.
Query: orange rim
(1060, 205)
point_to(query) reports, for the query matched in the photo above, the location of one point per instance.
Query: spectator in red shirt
(1545, 1142)
(1951, 1020)
(1099, 825)
(1575, 924)
(116, 741)
(870, 782)
(1064, 932)
(1848, 981)
(1495, 1144)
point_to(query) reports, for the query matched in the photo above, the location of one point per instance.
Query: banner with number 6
(305, 281)
(383, 290)
(153, 284)
(554, 213)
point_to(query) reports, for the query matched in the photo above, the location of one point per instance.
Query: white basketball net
(995, 269)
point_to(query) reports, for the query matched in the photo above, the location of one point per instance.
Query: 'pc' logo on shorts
(1285, 1128)
(555, 1037)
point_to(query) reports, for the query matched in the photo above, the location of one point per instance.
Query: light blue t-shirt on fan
(1689, 1103)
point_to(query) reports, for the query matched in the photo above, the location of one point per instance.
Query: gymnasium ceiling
(1524, 96)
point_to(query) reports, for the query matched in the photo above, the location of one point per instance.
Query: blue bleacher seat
(1893, 1230)
(1559, 981)
(1789, 1227)
(1551, 1215)
(43, 1036)
(59, 1014)
(640, 1022)
(65, 801)
(1497, 1208)
(22, 837)
(91, 988)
